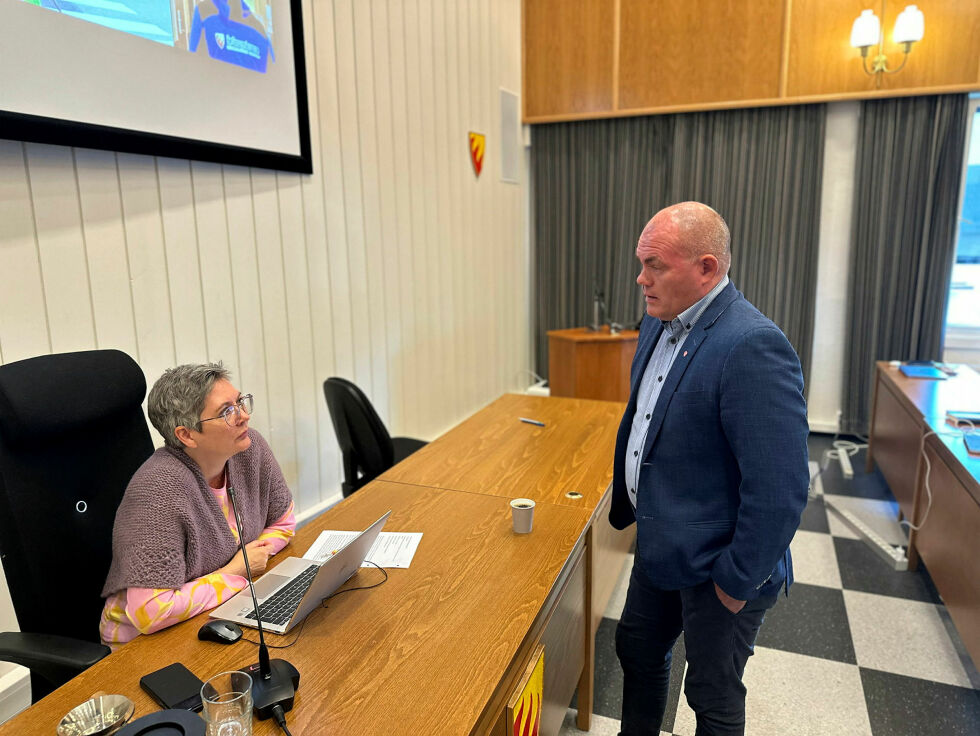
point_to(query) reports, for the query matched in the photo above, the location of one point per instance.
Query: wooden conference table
(904, 410)
(442, 646)
(567, 462)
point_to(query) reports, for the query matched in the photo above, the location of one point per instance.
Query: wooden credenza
(908, 426)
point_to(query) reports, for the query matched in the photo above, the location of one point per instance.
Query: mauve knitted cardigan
(169, 528)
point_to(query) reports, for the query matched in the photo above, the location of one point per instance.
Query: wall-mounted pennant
(478, 145)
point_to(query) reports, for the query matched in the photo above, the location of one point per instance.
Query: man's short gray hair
(178, 398)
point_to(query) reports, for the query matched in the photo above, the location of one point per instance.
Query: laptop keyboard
(279, 608)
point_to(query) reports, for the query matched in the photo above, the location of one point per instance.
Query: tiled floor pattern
(857, 649)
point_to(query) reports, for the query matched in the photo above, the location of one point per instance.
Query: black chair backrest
(363, 438)
(72, 433)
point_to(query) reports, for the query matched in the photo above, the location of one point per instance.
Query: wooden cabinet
(591, 365)
(940, 497)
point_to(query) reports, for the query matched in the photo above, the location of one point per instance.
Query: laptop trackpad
(267, 585)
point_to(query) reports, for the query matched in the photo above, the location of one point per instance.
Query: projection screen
(211, 80)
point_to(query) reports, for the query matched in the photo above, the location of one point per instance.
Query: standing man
(711, 463)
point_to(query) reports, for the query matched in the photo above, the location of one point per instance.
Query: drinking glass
(227, 699)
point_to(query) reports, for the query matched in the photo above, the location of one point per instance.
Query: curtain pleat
(907, 180)
(596, 184)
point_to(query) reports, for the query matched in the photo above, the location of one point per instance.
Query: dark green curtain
(903, 237)
(596, 183)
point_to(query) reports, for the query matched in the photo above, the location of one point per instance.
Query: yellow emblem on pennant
(478, 144)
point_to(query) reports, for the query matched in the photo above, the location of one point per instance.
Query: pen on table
(535, 422)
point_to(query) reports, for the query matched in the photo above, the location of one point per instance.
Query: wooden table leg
(583, 719)
(869, 464)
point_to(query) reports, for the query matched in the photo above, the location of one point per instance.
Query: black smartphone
(174, 686)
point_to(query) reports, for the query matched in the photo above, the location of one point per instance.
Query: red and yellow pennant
(478, 144)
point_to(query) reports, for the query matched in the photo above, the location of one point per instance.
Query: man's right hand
(258, 553)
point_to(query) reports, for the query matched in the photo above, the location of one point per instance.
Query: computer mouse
(223, 632)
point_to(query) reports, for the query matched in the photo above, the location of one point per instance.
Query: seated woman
(175, 541)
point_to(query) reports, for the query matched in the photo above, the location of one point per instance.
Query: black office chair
(72, 433)
(367, 448)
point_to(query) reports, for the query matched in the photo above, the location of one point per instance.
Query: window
(962, 336)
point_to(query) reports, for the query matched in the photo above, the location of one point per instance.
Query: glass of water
(227, 699)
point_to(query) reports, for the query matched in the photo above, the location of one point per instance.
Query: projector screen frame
(37, 129)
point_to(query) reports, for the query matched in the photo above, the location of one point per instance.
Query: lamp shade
(866, 30)
(910, 25)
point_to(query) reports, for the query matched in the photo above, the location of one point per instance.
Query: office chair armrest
(55, 658)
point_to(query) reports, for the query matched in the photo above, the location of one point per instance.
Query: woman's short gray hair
(178, 398)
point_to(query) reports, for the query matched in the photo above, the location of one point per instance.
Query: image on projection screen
(235, 32)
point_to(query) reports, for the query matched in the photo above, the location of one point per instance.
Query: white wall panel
(275, 323)
(383, 261)
(250, 373)
(64, 267)
(350, 162)
(307, 394)
(392, 265)
(334, 196)
(180, 238)
(214, 258)
(24, 325)
(402, 290)
(105, 246)
(149, 277)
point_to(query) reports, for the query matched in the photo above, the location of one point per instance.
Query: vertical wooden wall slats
(24, 325)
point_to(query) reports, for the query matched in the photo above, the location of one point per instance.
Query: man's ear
(184, 435)
(709, 265)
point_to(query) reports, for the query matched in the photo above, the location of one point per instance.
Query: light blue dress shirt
(661, 359)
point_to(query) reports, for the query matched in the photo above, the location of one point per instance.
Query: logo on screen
(219, 38)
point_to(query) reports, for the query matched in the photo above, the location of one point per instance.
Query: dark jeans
(718, 644)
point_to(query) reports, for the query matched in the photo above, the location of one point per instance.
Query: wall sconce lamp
(866, 32)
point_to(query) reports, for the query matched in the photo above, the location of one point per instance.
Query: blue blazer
(724, 472)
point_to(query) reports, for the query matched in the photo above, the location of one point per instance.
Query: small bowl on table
(100, 716)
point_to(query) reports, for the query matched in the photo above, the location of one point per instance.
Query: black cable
(323, 604)
(280, 718)
(362, 587)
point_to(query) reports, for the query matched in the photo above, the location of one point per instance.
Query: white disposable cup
(522, 514)
(227, 699)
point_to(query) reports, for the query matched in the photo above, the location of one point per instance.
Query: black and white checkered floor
(857, 649)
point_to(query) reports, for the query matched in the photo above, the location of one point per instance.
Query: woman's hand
(258, 553)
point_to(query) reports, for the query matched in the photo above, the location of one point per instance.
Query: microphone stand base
(279, 689)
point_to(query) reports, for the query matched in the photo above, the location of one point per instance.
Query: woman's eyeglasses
(233, 413)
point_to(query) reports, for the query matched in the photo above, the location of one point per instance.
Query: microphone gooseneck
(265, 669)
(274, 681)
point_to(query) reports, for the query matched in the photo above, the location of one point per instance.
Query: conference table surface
(931, 399)
(423, 653)
(493, 452)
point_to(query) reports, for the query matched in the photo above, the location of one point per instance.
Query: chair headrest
(54, 394)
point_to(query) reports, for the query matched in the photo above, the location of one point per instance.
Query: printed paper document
(393, 549)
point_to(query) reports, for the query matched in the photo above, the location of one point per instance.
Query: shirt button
(632, 490)
(659, 379)
(673, 340)
(635, 453)
(648, 416)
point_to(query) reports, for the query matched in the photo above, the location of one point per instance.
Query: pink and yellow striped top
(135, 611)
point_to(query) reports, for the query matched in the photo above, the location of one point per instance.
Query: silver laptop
(296, 586)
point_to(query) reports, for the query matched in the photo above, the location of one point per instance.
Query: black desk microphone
(274, 682)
